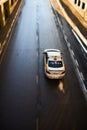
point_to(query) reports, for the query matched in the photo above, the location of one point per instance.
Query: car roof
(50, 50)
(53, 53)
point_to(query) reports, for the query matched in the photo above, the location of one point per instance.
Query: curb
(4, 45)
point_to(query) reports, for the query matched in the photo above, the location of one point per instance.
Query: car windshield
(55, 64)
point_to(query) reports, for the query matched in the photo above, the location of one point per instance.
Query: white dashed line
(68, 44)
(4, 42)
(37, 79)
(13, 20)
(65, 37)
(81, 75)
(72, 52)
(64, 32)
(11, 24)
(7, 35)
(0, 51)
(59, 22)
(0, 48)
(81, 79)
(37, 38)
(85, 90)
(76, 62)
(9, 31)
(0, 45)
(37, 54)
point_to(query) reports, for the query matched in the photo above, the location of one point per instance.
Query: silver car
(54, 64)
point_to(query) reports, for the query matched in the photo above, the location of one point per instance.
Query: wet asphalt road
(28, 100)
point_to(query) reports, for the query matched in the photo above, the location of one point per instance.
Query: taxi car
(54, 64)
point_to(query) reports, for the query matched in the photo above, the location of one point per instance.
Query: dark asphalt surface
(28, 100)
(80, 54)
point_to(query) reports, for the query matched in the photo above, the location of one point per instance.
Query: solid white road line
(81, 75)
(79, 41)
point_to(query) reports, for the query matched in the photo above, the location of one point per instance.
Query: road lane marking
(72, 52)
(76, 62)
(79, 74)
(7, 35)
(37, 37)
(11, 24)
(0, 51)
(37, 54)
(79, 41)
(66, 39)
(37, 79)
(4, 42)
(81, 77)
(10, 29)
(0, 48)
(13, 20)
